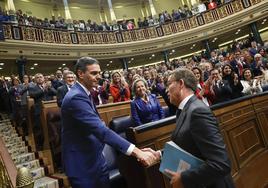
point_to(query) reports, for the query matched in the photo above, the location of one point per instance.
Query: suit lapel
(91, 103)
(66, 88)
(181, 118)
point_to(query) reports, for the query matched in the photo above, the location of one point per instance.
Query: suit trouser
(101, 182)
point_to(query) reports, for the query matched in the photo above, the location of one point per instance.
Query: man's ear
(181, 82)
(80, 74)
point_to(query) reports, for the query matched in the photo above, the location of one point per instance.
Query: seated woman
(145, 107)
(119, 88)
(250, 85)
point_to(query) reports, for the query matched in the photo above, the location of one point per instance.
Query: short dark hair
(187, 76)
(82, 64)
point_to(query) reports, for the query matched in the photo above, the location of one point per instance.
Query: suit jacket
(40, 95)
(197, 132)
(143, 112)
(83, 137)
(61, 92)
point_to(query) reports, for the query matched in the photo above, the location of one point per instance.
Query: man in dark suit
(84, 134)
(42, 91)
(69, 80)
(197, 132)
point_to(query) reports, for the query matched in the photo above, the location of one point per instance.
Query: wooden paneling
(244, 126)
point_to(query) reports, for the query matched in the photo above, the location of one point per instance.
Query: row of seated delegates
(145, 107)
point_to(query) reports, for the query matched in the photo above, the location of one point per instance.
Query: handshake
(147, 156)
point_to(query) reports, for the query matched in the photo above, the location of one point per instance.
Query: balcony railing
(45, 35)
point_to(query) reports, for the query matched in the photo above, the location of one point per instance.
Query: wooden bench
(244, 126)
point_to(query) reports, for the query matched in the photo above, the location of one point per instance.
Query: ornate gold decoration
(24, 178)
(4, 178)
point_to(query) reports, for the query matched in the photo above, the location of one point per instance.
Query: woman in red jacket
(119, 88)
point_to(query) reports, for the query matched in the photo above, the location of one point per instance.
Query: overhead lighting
(231, 41)
(63, 64)
(191, 48)
(35, 64)
(2, 64)
(32, 68)
(27, 1)
(238, 30)
(119, 6)
(194, 45)
(153, 55)
(75, 7)
(129, 61)
(150, 57)
(59, 68)
(111, 61)
(264, 29)
(173, 51)
(1, 68)
(108, 65)
(170, 53)
(132, 59)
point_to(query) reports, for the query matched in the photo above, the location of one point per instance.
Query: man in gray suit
(197, 132)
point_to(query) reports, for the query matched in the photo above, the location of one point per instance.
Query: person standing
(197, 132)
(69, 80)
(84, 133)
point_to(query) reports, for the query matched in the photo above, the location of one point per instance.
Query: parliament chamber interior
(224, 43)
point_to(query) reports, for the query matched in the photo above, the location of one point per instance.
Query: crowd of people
(183, 12)
(221, 76)
(218, 76)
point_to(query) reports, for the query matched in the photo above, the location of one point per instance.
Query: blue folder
(176, 159)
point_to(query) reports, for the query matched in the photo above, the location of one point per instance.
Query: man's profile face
(174, 91)
(91, 76)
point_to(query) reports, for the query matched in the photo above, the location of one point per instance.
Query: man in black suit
(197, 132)
(69, 80)
(42, 91)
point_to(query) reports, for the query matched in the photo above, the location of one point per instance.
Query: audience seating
(121, 124)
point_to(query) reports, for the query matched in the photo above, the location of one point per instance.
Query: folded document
(176, 159)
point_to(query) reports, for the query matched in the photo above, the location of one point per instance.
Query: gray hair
(187, 76)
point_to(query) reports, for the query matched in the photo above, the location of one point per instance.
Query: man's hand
(157, 154)
(145, 157)
(175, 179)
